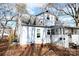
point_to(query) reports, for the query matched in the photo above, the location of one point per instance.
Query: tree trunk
(76, 21)
(2, 33)
(76, 24)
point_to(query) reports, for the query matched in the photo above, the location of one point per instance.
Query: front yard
(36, 50)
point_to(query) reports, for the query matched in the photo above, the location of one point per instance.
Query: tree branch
(63, 11)
(70, 6)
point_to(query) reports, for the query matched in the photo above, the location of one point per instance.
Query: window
(48, 32)
(38, 33)
(56, 31)
(48, 17)
(52, 32)
(60, 38)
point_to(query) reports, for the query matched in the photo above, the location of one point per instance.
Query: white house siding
(27, 35)
(31, 35)
(46, 37)
(64, 43)
(23, 36)
(51, 21)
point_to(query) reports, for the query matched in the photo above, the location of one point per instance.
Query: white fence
(75, 39)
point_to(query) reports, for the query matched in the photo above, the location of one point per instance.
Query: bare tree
(6, 15)
(71, 9)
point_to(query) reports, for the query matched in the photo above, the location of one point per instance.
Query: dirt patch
(40, 50)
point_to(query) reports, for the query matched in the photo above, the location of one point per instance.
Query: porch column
(62, 29)
(27, 34)
(50, 36)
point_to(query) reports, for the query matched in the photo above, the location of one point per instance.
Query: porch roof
(53, 27)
